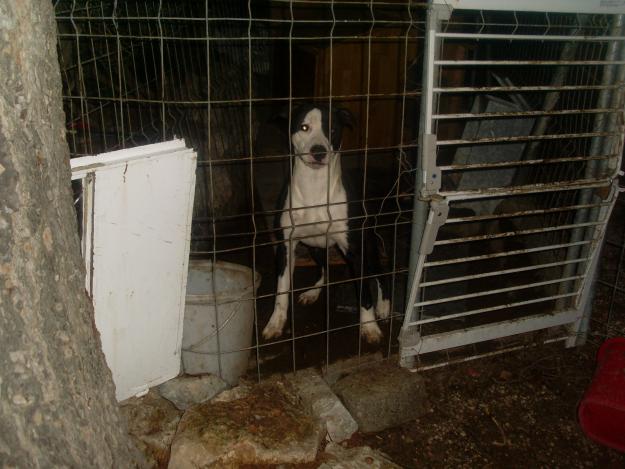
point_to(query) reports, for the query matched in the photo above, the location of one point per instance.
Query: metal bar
(508, 89)
(529, 138)
(508, 234)
(230, 19)
(397, 4)
(504, 164)
(202, 38)
(447, 340)
(514, 63)
(244, 101)
(529, 37)
(489, 309)
(491, 115)
(523, 213)
(421, 208)
(401, 158)
(500, 272)
(289, 155)
(496, 291)
(482, 257)
(539, 6)
(528, 189)
(487, 354)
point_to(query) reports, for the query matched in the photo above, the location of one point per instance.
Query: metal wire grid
(608, 319)
(550, 214)
(142, 72)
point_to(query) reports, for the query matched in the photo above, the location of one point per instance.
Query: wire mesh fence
(527, 90)
(224, 75)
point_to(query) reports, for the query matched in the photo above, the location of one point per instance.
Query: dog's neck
(316, 183)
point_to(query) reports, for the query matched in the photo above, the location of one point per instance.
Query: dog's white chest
(313, 218)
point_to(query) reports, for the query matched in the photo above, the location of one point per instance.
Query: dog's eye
(304, 127)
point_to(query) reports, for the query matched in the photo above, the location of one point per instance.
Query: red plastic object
(602, 410)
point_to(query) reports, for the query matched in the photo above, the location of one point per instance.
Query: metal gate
(521, 136)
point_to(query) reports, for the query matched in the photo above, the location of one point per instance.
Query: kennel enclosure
(488, 142)
(513, 205)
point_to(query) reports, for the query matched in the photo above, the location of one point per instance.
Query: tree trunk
(57, 405)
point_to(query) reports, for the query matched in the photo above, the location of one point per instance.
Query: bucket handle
(210, 336)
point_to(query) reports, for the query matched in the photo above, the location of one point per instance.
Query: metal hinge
(431, 173)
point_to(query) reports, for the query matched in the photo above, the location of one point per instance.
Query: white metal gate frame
(431, 207)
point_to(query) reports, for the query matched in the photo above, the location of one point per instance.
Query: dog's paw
(382, 308)
(371, 332)
(309, 296)
(273, 329)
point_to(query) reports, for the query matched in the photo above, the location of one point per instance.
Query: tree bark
(57, 404)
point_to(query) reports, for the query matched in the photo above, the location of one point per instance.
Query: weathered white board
(137, 212)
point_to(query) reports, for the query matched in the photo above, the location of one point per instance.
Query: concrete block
(383, 396)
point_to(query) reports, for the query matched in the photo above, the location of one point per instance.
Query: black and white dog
(307, 217)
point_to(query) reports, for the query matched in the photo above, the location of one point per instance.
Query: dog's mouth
(317, 157)
(315, 164)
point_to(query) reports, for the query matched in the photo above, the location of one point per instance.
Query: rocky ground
(512, 410)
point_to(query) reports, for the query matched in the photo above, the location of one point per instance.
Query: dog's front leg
(286, 265)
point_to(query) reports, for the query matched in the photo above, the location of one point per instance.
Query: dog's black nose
(318, 152)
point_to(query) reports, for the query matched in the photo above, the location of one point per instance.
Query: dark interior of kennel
(138, 72)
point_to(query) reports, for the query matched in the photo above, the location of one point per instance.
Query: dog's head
(316, 132)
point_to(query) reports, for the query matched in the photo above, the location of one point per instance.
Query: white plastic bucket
(218, 319)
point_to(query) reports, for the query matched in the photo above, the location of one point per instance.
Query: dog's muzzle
(318, 153)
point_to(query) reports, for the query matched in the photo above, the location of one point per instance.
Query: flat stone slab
(185, 391)
(152, 422)
(337, 457)
(267, 426)
(345, 366)
(324, 404)
(383, 396)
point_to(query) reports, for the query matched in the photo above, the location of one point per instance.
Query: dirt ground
(513, 410)
(517, 409)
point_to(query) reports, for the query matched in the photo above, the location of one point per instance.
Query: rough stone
(383, 396)
(324, 404)
(152, 421)
(237, 392)
(337, 457)
(186, 391)
(268, 426)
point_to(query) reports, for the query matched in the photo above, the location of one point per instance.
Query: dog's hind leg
(369, 328)
(312, 295)
(285, 257)
(383, 299)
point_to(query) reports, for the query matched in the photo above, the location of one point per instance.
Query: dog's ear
(282, 115)
(279, 116)
(346, 117)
